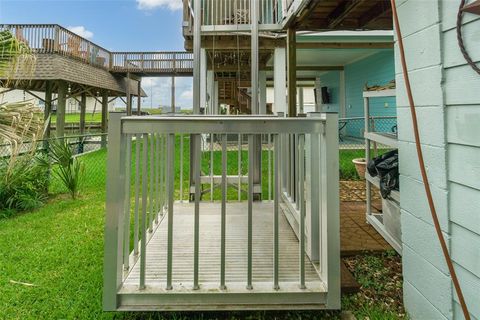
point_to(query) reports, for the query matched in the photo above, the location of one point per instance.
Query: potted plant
(360, 166)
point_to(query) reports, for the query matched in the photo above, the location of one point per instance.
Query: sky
(116, 25)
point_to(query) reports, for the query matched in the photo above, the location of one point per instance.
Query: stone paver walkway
(356, 236)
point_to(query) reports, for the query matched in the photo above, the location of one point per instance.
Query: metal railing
(52, 38)
(302, 174)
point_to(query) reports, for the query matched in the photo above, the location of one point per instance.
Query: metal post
(150, 198)
(239, 167)
(250, 208)
(112, 266)
(197, 8)
(137, 194)
(276, 205)
(143, 248)
(224, 212)
(301, 201)
(292, 72)
(254, 15)
(128, 157)
(197, 217)
(83, 109)
(181, 167)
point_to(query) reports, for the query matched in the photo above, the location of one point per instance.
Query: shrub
(23, 185)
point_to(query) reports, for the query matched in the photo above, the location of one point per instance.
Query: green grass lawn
(75, 117)
(51, 262)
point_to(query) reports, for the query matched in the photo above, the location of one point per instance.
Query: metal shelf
(388, 139)
(376, 221)
(379, 93)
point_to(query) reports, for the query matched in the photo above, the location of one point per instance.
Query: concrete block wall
(445, 90)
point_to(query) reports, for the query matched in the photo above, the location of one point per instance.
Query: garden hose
(421, 162)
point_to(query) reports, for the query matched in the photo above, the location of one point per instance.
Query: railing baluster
(128, 168)
(269, 151)
(151, 201)
(251, 160)
(197, 169)
(157, 178)
(143, 249)
(181, 167)
(276, 204)
(211, 167)
(170, 190)
(239, 167)
(301, 202)
(162, 173)
(137, 193)
(224, 212)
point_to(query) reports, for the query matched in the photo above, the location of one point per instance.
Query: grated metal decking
(209, 266)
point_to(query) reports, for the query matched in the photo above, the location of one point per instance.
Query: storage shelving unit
(376, 219)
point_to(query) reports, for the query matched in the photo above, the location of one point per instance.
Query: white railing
(234, 15)
(300, 180)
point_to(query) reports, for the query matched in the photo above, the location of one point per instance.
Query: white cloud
(81, 31)
(153, 4)
(188, 94)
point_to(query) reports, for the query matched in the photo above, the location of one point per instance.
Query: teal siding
(331, 80)
(378, 68)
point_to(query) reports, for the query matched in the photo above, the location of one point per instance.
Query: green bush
(23, 185)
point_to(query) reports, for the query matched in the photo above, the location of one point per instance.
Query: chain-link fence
(91, 148)
(352, 144)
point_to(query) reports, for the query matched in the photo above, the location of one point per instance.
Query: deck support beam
(139, 97)
(129, 95)
(48, 107)
(262, 84)
(83, 111)
(279, 79)
(104, 117)
(61, 106)
(292, 72)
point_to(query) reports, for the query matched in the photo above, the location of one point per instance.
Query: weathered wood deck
(209, 266)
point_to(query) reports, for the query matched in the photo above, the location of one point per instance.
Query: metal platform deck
(155, 296)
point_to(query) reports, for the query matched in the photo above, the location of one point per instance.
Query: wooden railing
(152, 61)
(52, 38)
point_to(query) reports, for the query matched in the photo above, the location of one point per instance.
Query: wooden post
(129, 95)
(104, 117)
(48, 107)
(292, 72)
(139, 96)
(83, 110)
(61, 106)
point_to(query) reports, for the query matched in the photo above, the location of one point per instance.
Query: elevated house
(269, 236)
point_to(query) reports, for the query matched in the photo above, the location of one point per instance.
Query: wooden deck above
(55, 40)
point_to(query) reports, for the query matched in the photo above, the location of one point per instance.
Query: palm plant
(68, 169)
(16, 58)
